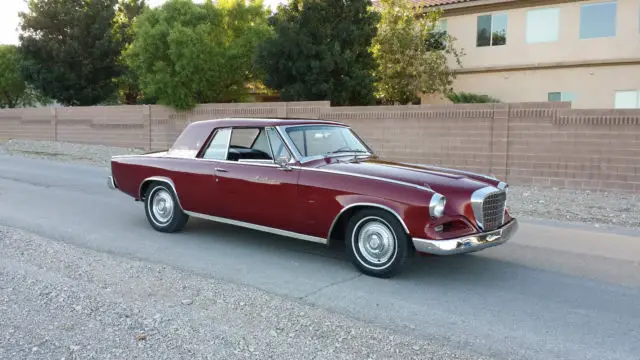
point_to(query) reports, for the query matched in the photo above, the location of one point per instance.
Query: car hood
(442, 180)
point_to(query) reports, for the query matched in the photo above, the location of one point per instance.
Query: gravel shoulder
(59, 301)
(599, 209)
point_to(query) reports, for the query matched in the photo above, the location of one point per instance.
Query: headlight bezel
(437, 205)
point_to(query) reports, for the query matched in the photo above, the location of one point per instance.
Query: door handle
(221, 170)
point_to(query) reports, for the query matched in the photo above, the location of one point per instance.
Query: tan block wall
(546, 144)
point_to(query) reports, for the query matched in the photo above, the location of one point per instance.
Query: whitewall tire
(377, 243)
(163, 209)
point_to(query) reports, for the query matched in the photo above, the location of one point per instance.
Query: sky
(9, 20)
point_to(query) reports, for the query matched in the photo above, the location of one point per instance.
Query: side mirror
(283, 162)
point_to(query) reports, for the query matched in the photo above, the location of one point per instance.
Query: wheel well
(340, 226)
(143, 188)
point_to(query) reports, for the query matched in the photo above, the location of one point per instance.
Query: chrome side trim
(383, 207)
(163, 179)
(258, 227)
(272, 164)
(467, 244)
(110, 183)
(366, 177)
(125, 156)
(477, 199)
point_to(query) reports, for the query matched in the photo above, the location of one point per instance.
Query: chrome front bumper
(469, 243)
(110, 183)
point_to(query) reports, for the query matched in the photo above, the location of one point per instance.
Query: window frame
(206, 147)
(492, 16)
(556, 14)
(441, 27)
(563, 96)
(261, 129)
(600, 3)
(637, 93)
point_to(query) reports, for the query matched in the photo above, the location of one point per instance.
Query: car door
(251, 187)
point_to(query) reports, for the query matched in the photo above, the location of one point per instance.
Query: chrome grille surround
(488, 206)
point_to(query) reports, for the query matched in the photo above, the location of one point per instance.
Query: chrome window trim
(292, 156)
(163, 179)
(259, 227)
(287, 141)
(266, 163)
(266, 133)
(206, 146)
(226, 155)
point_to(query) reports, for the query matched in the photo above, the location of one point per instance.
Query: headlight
(436, 206)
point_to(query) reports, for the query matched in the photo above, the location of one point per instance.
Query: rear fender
(162, 179)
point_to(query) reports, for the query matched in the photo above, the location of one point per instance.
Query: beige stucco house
(586, 52)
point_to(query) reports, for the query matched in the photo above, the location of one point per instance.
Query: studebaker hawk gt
(317, 181)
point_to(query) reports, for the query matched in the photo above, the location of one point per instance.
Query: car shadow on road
(471, 268)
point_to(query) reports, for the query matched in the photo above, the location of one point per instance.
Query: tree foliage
(14, 92)
(186, 53)
(469, 98)
(69, 50)
(127, 13)
(320, 51)
(12, 87)
(412, 56)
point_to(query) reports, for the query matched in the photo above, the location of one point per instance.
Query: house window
(437, 38)
(492, 30)
(627, 99)
(561, 96)
(543, 25)
(598, 20)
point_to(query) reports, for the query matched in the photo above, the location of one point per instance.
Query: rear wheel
(377, 243)
(162, 209)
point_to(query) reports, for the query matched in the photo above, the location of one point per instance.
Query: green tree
(127, 13)
(412, 56)
(12, 87)
(14, 92)
(69, 49)
(186, 53)
(321, 51)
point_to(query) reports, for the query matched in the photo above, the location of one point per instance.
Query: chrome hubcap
(162, 206)
(376, 242)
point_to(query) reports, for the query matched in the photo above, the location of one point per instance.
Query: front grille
(493, 210)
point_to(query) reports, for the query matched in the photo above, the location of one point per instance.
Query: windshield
(313, 140)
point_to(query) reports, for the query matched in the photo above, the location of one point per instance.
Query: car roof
(195, 134)
(238, 121)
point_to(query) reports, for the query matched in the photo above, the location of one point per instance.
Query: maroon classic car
(316, 181)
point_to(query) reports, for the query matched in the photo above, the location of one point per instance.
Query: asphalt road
(554, 292)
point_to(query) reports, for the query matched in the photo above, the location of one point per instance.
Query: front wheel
(377, 243)
(162, 209)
